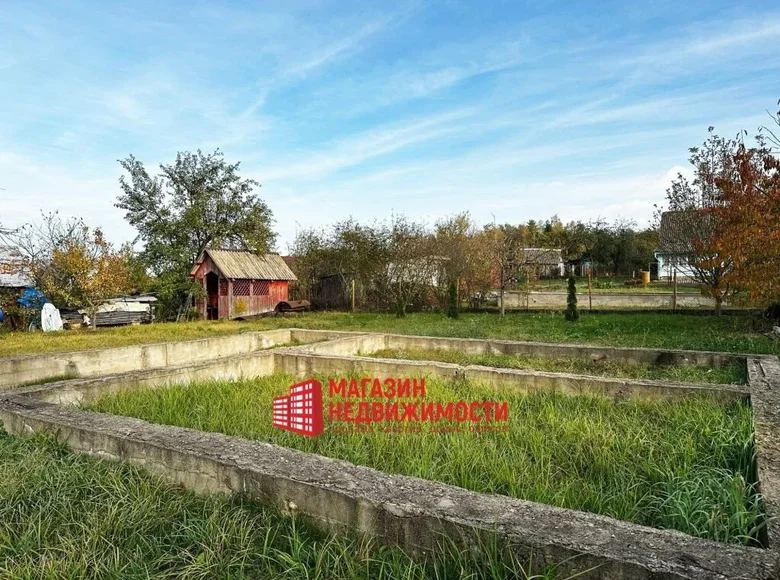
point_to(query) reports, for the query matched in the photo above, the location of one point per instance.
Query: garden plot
(684, 465)
(638, 452)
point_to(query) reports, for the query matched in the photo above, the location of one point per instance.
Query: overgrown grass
(63, 515)
(684, 465)
(735, 373)
(724, 333)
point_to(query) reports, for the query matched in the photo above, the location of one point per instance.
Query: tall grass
(718, 333)
(685, 465)
(64, 515)
(735, 373)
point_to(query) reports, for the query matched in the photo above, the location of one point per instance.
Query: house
(13, 273)
(541, 262)
(675, 251)
(240, 283)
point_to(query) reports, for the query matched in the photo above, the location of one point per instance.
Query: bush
(572, 312)
(452, 301)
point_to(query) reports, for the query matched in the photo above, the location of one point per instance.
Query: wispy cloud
(341, 108)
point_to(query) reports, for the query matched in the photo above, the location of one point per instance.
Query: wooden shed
(239, 283)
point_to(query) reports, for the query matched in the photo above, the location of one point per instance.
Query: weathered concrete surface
(551, 350)
(78, 391)
(408, 512)
(764, 379)
(303, 364)
(15, 371)
(20, 370)
(605, 301)
(347, 343)
(404, 511)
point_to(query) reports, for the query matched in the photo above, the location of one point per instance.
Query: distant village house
(675, 252)
(542, 262)
(13, 273)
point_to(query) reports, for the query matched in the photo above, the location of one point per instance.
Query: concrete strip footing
(414, 514)
(408, 512)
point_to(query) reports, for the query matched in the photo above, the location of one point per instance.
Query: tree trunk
(502, 301)
(400, 308)
(92, 313)
(718, 305)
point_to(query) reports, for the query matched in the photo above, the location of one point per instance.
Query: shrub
(452, 301)
(572, 312)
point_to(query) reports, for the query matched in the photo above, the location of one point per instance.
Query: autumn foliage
(83, 272)
(749, 223)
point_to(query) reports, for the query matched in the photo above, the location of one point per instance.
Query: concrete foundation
(604, 301)
(402, 511)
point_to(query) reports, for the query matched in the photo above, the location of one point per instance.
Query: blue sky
(510, 110)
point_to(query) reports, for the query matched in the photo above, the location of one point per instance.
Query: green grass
(724, 333)
(684, 465)
(735, 373)
(64, 515)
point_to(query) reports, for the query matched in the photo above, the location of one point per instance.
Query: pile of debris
(115, 312)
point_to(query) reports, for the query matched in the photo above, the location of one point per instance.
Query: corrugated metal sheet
(12, 271)
(236, 264)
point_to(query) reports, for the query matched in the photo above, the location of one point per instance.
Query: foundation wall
(15, 371)
(640, 355)
(407, 512)
(604, 301)
(411, 513)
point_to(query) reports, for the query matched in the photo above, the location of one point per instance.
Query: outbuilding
(240, 283)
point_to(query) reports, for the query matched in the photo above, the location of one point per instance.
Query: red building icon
(301, 410)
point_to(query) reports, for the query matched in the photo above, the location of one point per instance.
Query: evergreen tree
(572, 312)
(452, 302)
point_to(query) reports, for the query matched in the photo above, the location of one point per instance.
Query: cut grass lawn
(684, 465)
(735, 373)
(64, 515)
(676, 331)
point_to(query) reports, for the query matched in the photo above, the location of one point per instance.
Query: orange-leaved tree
(84, 272)
(695, 212)
(750, 222)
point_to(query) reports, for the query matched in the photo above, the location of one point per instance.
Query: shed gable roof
(235, 264)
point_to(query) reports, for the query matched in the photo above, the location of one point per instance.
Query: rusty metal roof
(236, 264)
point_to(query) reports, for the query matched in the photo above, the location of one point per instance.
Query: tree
(84, 274)
(572, 313)
(452, 301)
(699, 228)
(505, 244)
(37, 241)
(199, 201)
(72, 264)
(452, 248)
(750, 222)
(478, 278)
(412, 266)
